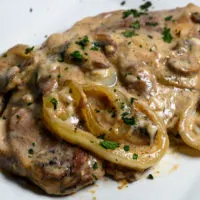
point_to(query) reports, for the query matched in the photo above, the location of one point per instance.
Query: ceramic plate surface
(177, 176)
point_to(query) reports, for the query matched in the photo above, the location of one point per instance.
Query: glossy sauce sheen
(151, 58)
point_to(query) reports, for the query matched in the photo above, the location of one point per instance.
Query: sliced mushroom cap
(97, 59)
(139, 79)
(108, 44)
(185, 58)
(12, 64)
(184, 65)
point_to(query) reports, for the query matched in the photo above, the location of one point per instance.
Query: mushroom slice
(184, 65)
(185, 59)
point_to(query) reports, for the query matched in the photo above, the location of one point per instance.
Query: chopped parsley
(150, 176)
(95, 166)
(167, 37)
(132, 100)
(59, 76)
(138, 78)
(96, 46)
(168, 18)
(109, 144)
(135, 156)
(30, 151)
(151, 23)
(28, 50)
(126, 148)
(83, 42)
(33, 144)
(146, 6)
(129, 34)
(128, 120)
(136, 25)
(123, 3)
(17, 116)
(133, 12)
(54, 101)
(4, 118)
(76, 56)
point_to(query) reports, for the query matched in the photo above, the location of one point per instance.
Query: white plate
(179, 176)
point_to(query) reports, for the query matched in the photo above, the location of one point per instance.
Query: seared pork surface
(152, 56)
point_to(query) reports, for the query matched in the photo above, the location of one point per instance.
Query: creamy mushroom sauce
(153, 57)
(165, 74)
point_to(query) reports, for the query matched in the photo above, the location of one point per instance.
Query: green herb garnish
(128, 120)
(76, 56)
(30, 151)
(123, 3)
(129, 34)
(83, 42)
(95, 166)
(126, 148)
(136, 25)
(151, 24)
(150, 176)
(96, 46)
(135, 156)
(133, 12)
(146, 6)
(54, 101)
(109, 144)
(132, 100)
(17, 116)
(28, 50)
(59, 76)
(167, 37)
(168, 18)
